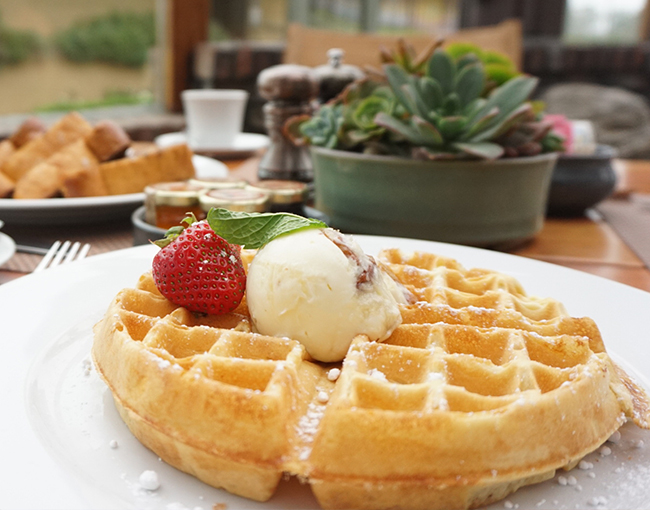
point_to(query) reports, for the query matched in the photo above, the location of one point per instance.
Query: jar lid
(218, 183)
(235, 199)
(173, 193)
(283, 191)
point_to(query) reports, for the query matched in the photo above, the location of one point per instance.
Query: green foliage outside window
(111, 98)
(16, 46)
(120, 38)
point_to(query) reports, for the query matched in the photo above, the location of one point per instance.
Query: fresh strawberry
(199, 270)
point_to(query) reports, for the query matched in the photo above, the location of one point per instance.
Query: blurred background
(129, 59)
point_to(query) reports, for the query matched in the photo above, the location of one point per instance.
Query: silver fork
(62, 253)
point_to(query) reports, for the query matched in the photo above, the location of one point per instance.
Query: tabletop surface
(587, 243)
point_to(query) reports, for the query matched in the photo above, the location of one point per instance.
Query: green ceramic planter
(477, 203)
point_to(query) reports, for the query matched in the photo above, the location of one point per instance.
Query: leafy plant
(406, 57)
(120, 38)
(499, 68)
(433, 111)
(111, 98)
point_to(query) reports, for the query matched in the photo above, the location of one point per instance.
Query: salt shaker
(289, 90)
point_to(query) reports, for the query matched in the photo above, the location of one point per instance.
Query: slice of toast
(26, 132)
(67, 130)
(30, 129)
(48, 178)
(6, 186)
(133, 174)
(83, 181)
(7, 149)
(108, 141)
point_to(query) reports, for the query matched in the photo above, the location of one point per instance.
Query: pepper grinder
(334, 76)
(289, 90)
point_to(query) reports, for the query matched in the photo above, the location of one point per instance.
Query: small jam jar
(167, 203)
(286, 196)
(235, 199)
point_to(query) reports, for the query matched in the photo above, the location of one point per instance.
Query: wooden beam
(186, 26)
(369, 15)
(644, 23)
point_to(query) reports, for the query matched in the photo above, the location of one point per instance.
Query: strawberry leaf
(173, 232)
(254, 230)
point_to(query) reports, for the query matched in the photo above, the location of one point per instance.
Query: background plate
(59, 419)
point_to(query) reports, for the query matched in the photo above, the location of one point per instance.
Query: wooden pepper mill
(289, 90)
(334, 76)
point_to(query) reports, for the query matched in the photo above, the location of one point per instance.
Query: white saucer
(7, 248)
(244, 145)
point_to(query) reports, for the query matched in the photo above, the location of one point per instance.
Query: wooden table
(589, 243)
(586, 243)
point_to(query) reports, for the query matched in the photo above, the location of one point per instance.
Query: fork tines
(62, 253)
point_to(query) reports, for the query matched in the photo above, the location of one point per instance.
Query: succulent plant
(499, 68)
(406, 57)
(433, 111)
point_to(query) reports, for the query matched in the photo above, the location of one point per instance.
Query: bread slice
(83, 181)
(48, 179)
(26, 132)
(7, 149)
(30, 129)
(6, 186)
(67, 130)
(108, 140)
(133, 174)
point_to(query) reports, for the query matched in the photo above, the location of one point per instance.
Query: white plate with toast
(64, 445)
(78, 210)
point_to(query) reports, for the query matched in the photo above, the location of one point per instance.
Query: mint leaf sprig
(254, 230)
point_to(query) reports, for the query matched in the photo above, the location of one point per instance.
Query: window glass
(58, 55)
(603, 21)
(403, 16)
(268, 19)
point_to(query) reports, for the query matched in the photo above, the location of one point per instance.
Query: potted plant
(434, 147)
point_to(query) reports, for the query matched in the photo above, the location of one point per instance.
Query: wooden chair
(308, 46)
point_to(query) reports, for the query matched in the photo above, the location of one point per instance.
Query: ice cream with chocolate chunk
(319, 287)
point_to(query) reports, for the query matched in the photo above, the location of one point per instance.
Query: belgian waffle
(481, 390)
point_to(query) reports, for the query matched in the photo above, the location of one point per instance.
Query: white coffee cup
(214, 117)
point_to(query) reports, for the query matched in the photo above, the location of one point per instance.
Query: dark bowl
(580, 182)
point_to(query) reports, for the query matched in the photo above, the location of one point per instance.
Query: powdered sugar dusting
(308, 425)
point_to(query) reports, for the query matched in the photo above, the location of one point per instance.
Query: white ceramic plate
(58, 419)
(64, 211)
(7, 248)
(244, 145)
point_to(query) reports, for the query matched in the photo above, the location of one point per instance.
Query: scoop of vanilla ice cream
(317, 286)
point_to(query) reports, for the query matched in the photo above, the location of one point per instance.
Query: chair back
(308, 46)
